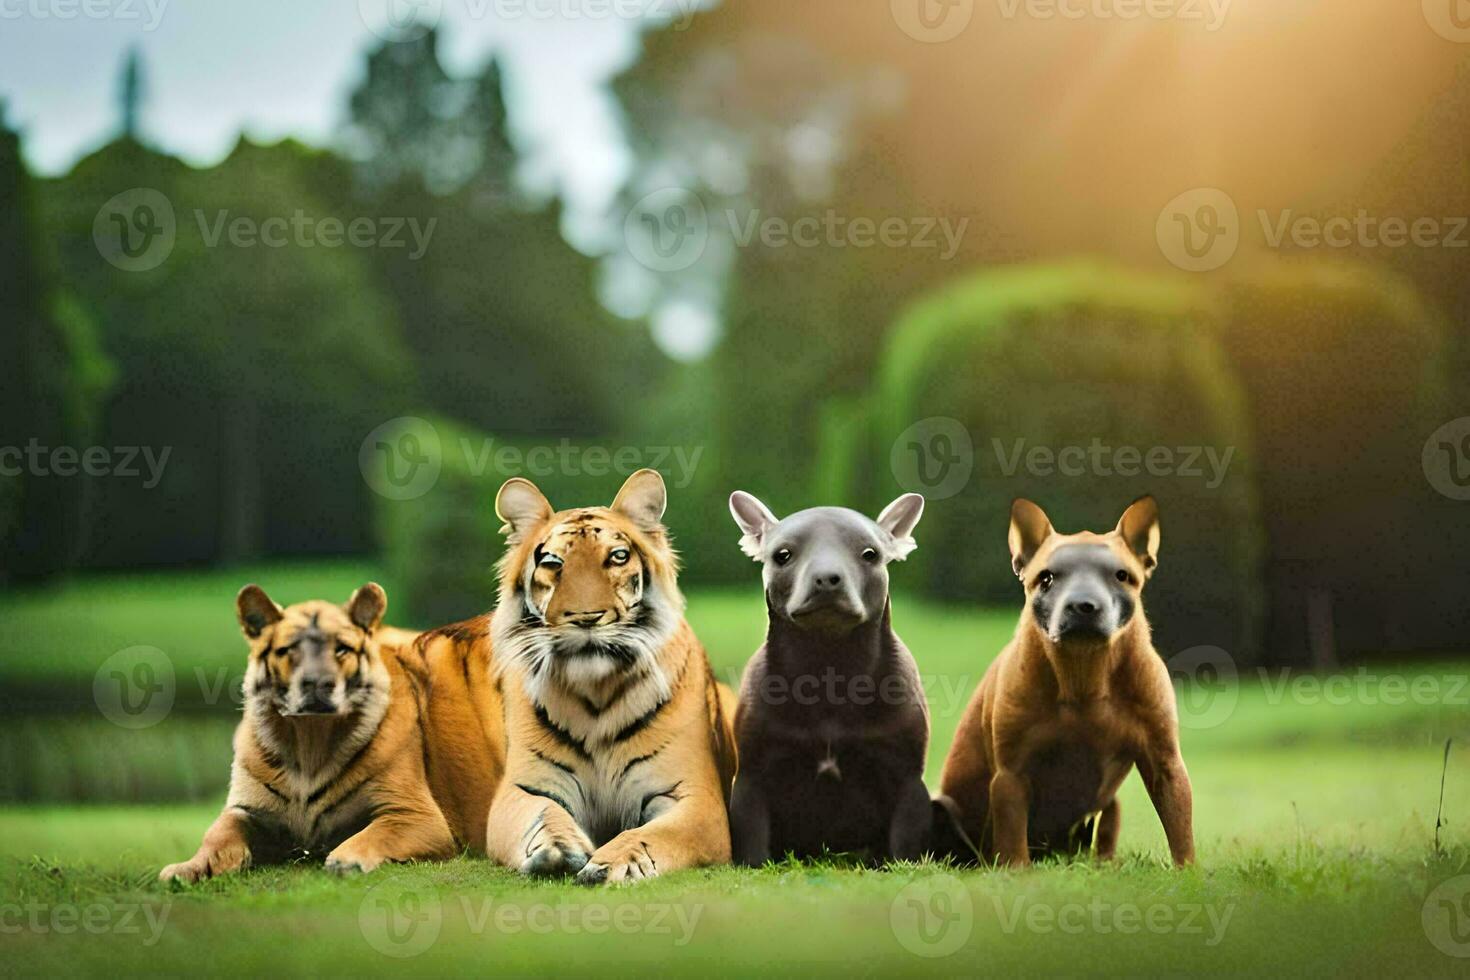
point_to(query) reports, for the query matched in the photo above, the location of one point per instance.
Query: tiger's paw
(200, 868)
(554, 854)
(619, 861)
(345, 862)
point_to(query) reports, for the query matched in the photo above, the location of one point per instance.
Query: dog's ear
(522, 507)
(366, 607)
(899, 519)
(643, 499)
(1029, 530)
(256, 610)
(754, 519)
(1139, 529)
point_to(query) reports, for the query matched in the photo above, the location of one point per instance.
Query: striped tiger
(330, 753)
(618, 753)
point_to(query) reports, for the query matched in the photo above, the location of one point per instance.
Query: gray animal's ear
(366, 607)
(522, 507)
(754, 519)
(1030, 528)
(1139, 527)
(899, 519)
(256, 611)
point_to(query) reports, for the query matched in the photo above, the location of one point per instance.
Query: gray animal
(832, 726)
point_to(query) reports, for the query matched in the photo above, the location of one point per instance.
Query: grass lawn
(1315, 812)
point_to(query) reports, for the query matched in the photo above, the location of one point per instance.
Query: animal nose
(589, 617)
(827, 581)
(1083, 607)
(319, 694)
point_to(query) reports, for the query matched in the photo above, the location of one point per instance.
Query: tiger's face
(313, 658)
(592, 590)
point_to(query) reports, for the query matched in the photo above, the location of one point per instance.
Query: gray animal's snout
(827, 581)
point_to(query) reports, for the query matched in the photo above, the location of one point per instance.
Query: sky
(277, 68)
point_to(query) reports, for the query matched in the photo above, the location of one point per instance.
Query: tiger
(619, 752)
(330, 751)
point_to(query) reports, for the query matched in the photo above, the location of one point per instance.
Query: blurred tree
(131, 94)
(55, 378)
(499, 312)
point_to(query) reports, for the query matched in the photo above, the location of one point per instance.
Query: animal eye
(870, 554)
(549, 560)
(1124, 577)
(782, 557)
(343, 650)
(619, 556)
(1044, 580)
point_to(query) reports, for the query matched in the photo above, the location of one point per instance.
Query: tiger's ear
(256, 611)
(366, 607)
(522, 508)
(643, 499)
(754, 519)
(1139, 529)
(1030, 528)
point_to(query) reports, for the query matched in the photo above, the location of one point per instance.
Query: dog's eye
(870, 554)
(619, 556)
(782, 557)
(1124, 577)
(549, 560)
(343, 650)
(1044, 580)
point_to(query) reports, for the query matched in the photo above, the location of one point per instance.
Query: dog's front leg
(1168, 786)
(750, 824)
(1110, 822)
(910, 827)
(693, 831)
(225, 848)
(1010, 799)
(534, 834)
(407, 831)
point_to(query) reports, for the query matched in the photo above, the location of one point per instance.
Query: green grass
(1314, 816)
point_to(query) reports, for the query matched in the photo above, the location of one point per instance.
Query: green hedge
(1345, 372)
(1045, 357)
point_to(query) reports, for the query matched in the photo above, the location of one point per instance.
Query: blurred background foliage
(264, 369)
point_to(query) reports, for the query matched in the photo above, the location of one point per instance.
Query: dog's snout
(1083, 607)
(827, 581)
(317, 695)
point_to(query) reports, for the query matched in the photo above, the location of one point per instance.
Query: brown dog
(1073, 703)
